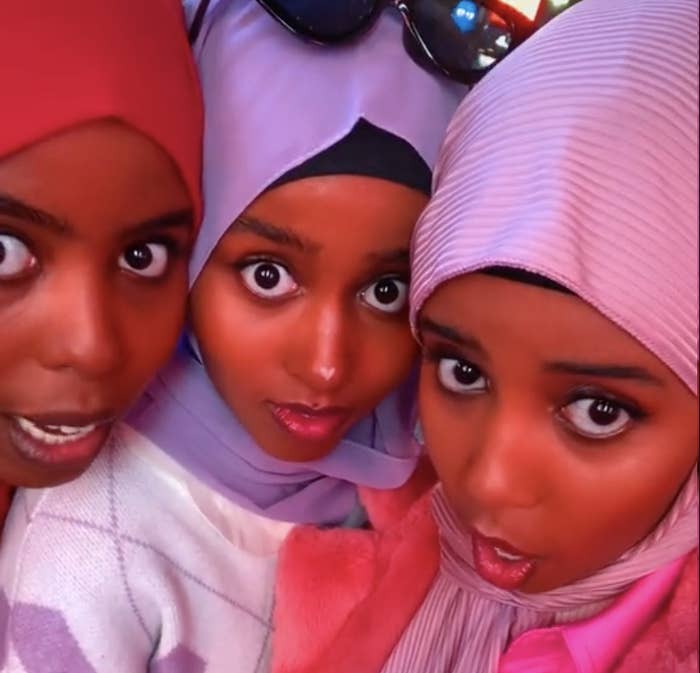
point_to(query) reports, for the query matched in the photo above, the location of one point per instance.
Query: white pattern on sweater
(136, 566)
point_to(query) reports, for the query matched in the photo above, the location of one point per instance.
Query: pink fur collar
(345, 596)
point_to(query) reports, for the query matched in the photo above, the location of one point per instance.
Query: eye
(460, 376)
(15, 258)
(268, 279)
(596, 417)
(149, 260)
(386, 294)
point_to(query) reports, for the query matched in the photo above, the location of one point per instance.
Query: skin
(322, 341)
(510, 432)
(83, 330)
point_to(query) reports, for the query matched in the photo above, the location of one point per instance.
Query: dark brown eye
(603, 412)
(596, 417)
(460, 376)
(387, 294)
(268, 279)
(386, 291)
(138, 257)
(466, 373)
(15, 258)
(145, 259)
(267, 276)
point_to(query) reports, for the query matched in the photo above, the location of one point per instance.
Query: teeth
(54, 434)
(506, 556)
(68, 429)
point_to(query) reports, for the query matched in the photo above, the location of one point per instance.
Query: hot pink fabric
(596, 644)
(344, 599)
(324, 575)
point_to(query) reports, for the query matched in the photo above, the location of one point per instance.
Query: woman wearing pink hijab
(554, 294)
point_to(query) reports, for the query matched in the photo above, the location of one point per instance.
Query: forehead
(513, 317)
(341, 212)
(97, 170)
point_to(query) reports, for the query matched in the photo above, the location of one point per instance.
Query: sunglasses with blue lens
(463, 39)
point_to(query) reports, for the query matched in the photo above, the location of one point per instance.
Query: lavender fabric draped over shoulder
(271, 102)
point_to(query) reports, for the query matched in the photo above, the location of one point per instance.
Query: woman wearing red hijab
(99, 201)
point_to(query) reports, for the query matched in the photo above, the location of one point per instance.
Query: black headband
(370, 151)
(522, 276)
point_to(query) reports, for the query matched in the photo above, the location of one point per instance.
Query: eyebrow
(271, 232)
(178, 219)
(15, 208)
(606, 371)
(396, 256)
(12, 207)
(610, 371)
(451, 334)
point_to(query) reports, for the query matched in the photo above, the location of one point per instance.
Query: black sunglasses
(463, 39)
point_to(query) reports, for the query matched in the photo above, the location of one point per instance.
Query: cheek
(238, 346)
(152, 329)
(387, 358)
(443, 429)
(598, 517)
(629, 510)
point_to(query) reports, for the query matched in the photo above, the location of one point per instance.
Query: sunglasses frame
(423, 55)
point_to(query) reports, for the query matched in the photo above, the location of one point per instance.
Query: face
(301, 314)
(93, 280)
(560, 440)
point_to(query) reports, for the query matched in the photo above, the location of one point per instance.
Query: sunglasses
(463, 39)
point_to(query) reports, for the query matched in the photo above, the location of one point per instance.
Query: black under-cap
(370, 151)
(523, 276)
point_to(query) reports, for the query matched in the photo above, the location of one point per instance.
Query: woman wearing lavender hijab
(295, 385)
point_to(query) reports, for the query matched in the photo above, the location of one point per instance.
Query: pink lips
(307, 423)
(499, 563)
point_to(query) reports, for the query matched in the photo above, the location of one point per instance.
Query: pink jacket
(344, 597)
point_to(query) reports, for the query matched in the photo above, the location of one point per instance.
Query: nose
(506, 467)
(319, 352)
(80, 327)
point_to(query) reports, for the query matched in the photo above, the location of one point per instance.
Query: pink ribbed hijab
(576, 159)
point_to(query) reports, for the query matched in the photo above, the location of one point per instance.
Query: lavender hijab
(575, 159)
(271, 102)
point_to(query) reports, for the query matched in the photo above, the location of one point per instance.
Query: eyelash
(435, 354)
(256, 259)
(271, 259)
(591, 392)
(9, 231)
(172, 245)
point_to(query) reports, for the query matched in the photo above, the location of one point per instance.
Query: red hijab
(70, 62)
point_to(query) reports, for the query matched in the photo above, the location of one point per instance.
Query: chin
(297, 451)
(46, 478)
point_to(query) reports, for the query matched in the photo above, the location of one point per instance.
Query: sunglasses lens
(552, 8)
(323, 20)
(464, 39)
